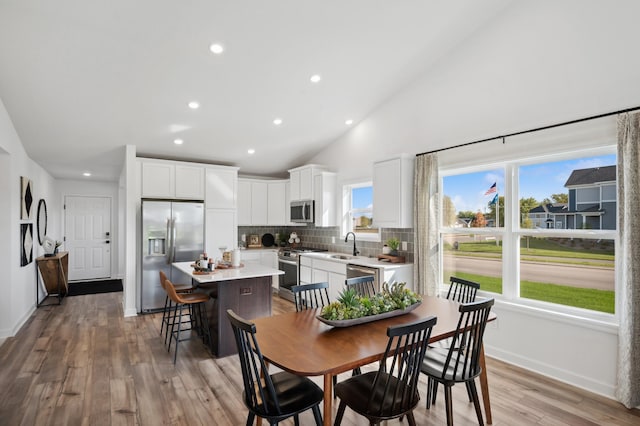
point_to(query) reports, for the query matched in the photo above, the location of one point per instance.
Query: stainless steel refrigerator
(172, 231)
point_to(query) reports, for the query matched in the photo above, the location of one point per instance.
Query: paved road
(572, 275)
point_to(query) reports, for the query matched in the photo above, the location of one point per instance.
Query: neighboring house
(553, 215)
(592, 202)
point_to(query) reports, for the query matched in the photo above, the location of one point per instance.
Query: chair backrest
(310, 296)
(171, 291)
(463, 358)
(364, 286)
(163, 279)
(461, 290)
(258, 391)
(396, 382)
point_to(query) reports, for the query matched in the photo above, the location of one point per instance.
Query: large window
(540, 231)
(358, 211)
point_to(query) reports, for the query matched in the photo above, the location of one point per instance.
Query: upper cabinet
(393, 193)
(172, 180)
(261, 202)
(302, 181)
(221, 186)
(324, 187)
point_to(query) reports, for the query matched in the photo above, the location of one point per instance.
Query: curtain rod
(551, 126)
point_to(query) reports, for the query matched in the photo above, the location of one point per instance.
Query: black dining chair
(461, 290)
(273, 397)
(310, 296)
(364, 286)
(392, 391)
(460, 363)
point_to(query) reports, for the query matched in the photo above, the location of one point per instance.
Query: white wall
(18, 284)
(88, 187)
(537, 64)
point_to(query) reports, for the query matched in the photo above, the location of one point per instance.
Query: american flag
(492, 189)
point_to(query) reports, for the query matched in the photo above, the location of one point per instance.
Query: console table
(54, 271)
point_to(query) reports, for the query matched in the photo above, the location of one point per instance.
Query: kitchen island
(245, 290)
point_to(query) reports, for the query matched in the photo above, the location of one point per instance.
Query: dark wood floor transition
(82, 363)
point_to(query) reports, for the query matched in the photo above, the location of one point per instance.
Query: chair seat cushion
(295, 394)
(357, 390)
(433, 366)
(194, 297)
(183, 288)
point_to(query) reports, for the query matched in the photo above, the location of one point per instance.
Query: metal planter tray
(362, 320)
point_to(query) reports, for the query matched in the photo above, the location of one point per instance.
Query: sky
(538, 181)
(362, 197)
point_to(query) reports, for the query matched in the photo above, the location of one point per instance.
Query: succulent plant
(351, 306)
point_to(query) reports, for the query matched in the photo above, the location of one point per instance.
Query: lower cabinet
(264, 257)
(318, 270)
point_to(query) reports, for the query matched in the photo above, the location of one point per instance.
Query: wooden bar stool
(197, 312)
(180, 289)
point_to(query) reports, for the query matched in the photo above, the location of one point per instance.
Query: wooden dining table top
(300, 343)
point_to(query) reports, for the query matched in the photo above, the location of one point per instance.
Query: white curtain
(628, 259)
(426, 213)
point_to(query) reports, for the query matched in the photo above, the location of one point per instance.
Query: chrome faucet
(355, 250)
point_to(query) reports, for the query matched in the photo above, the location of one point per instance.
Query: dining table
(298, 342)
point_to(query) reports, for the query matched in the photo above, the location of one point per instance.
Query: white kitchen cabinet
(221, 230)
(393, 193)
(220, 187)
(325, 199)
(172, 180)
(319, 270)
(244, 202)
(261, 202)
(302, 181)
(277, 203)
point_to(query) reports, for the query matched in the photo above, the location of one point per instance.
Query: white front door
(87, 227)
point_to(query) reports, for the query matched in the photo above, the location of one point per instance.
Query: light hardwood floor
(82, 363)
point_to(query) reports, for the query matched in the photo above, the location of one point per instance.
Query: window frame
(510, 232)
(347, 211)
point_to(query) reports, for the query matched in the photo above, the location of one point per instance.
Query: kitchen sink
(341, 256)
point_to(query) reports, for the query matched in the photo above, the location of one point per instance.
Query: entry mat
(94, 287)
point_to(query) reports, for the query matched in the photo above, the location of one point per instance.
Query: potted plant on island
(393, 244)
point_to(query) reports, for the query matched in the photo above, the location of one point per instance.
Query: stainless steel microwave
(302, 211)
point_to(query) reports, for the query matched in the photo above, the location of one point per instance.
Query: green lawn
(596, 300)
(534, 247)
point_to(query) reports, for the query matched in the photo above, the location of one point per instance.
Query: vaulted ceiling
(82, 79)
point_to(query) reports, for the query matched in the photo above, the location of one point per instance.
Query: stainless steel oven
(289, 263)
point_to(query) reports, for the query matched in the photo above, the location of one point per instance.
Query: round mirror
(42, 220)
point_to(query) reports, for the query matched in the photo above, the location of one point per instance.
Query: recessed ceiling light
(315, 78)
(348, 122)
(216, 48)
(178, 141)
(194, 105)
(87, 174)
(277, 121)
(251, 151)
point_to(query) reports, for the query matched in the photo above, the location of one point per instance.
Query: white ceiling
(81, 79)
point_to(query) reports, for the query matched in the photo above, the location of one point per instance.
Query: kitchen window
(357, 207)
(540, 232)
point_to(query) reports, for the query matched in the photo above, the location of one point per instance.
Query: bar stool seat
(197, 314)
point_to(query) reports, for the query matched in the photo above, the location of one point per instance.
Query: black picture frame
(26, 243)
(41, 220)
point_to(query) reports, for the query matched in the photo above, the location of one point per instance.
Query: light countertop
(246, 271)
(355, 260)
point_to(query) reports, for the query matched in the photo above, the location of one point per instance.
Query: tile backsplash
(322, 237)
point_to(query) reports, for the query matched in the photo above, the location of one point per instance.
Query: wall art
(26, 197)
(26, 243)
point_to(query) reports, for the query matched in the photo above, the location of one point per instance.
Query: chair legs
(198, 322)
(340, 413)
(432, 386)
